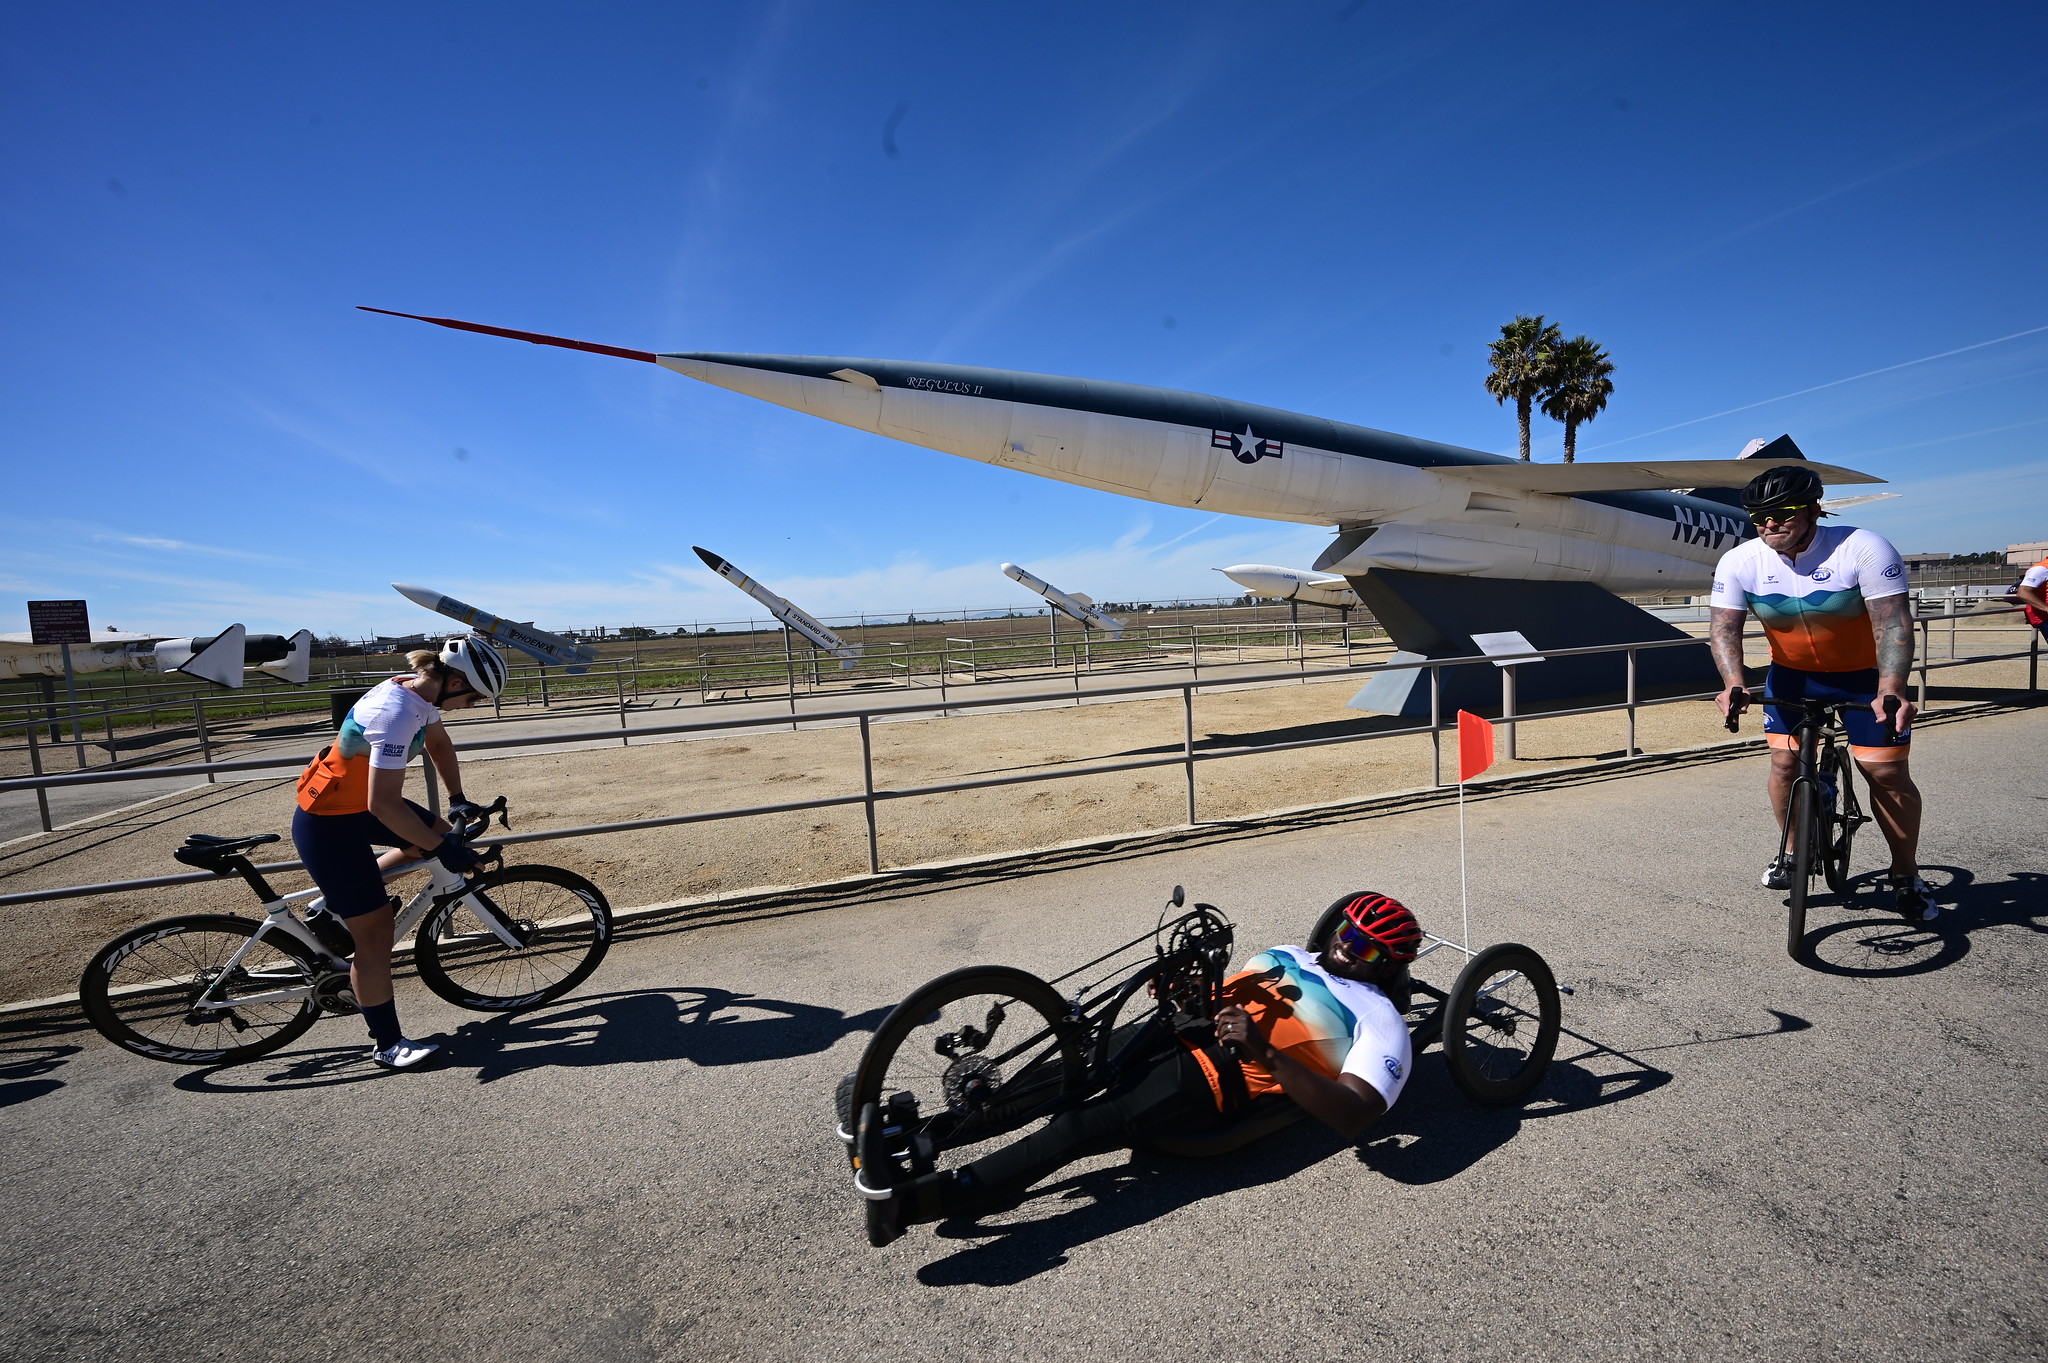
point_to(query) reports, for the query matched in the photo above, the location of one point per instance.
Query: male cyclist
(1833, 604)
(1319, 1028)
(352, 801)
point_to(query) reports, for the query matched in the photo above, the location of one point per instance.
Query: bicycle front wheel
(167, 990)
(561, 922)
(1807, 840)
(1841, 822)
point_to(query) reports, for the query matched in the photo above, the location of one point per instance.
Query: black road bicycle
(214, 988)
(987, 1051)
(1823, 813)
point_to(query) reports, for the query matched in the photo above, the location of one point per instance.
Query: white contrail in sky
(1832, 383)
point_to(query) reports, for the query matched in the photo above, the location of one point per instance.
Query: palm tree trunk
(1571, 440)
(1522, 415)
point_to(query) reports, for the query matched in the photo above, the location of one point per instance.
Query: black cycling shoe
(1913, 900)
(1778, 875)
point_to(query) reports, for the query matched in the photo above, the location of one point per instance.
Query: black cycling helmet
(1786, 485)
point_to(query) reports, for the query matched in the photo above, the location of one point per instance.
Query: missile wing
(549, 650)
(784, 610)
(1067, 603)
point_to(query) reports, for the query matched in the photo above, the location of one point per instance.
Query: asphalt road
(1735, 1156)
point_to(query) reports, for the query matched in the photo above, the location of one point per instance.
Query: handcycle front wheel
(975, 1054)
(142, 990)
(562, 921)
(1500, 1024)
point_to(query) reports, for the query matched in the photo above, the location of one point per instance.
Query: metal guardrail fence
(870, 796)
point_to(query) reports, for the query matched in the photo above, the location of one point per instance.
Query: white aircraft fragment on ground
(549, 650)
(784, 610)
(220, 658)
(1075, 604)
(1292, 584)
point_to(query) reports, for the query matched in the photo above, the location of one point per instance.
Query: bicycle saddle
(210, 853)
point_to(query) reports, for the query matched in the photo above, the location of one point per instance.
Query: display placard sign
(58, 622)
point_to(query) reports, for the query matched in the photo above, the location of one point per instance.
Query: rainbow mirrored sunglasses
(1359, 943)
(1780, 514)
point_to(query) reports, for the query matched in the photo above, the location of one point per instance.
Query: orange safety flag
(1475, 745)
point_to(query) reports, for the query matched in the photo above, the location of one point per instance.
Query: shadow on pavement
(1433, 1134)
(26, 1055)
(1877, 944)
(707, 1027)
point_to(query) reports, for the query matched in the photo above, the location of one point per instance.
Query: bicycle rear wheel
(563, 924)
(1500, 1024)
(142, 990)
(1841, 822)
(1807, 840)
(971, 1056)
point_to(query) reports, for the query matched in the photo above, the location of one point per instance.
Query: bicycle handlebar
(1741, 698)
(468, 831)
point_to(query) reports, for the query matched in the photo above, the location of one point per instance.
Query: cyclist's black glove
(465, 811)
(457, 855)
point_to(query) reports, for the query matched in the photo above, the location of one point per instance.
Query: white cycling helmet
(477, 661)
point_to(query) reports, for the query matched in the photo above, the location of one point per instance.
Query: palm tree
(1521, 366)
(1579, 387)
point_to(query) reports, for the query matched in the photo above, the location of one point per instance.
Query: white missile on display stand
(784, 610)
(1292, 584)
(1082, 608)
(549, 650)
(219, 658)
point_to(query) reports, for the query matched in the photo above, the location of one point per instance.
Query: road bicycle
(1823, 812)
(210, 989)
(987, 1051)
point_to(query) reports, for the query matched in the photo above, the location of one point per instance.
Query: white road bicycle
(211, 989)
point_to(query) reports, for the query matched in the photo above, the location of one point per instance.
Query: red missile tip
(537, 338)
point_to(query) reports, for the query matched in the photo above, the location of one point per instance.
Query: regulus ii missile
(1071, 603)
(550, 650)
(784, 610)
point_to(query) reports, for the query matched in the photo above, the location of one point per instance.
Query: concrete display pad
(1734, 1156)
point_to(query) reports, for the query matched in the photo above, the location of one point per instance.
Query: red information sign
(58, 622)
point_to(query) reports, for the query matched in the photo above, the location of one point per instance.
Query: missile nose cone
(1011, 570)
(711, 560)
(419, 596)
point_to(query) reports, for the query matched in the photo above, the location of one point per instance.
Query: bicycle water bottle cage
(211, 853)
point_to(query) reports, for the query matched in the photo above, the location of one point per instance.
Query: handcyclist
(1832, 601)
(352, 801)
(2032, 591)
(1319, 1028)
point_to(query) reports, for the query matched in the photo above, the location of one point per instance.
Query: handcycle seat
(1262, 1116)
(212, 853)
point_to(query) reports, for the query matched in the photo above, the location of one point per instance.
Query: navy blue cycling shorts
(1866, 734)
(340, 853)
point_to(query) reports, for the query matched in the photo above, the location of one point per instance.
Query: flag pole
(1464, 898)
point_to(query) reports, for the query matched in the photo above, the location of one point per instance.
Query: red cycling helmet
(1387, 921)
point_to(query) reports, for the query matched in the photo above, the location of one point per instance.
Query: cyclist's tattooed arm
(1891, 619)
(1725, 638)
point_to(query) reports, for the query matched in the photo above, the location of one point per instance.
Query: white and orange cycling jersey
(1812, 605)
(385, 729)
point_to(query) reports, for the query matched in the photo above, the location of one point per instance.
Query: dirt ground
(44, 946)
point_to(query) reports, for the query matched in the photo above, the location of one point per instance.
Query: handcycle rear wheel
(1500, 1024)
(1841, 822)
(140, 989)
(563, 923)
(975, 1054)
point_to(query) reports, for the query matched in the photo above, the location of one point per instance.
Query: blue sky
(1324, 206)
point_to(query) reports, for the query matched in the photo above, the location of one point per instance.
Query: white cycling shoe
(403, 1054)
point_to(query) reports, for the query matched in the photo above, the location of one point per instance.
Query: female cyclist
(352, 801)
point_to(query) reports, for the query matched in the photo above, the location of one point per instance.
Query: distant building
(2026, 555)
(1924, 560)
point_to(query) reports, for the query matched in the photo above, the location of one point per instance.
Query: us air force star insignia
(1244, 446)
